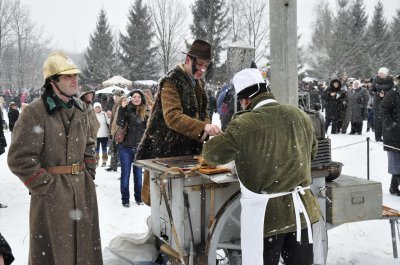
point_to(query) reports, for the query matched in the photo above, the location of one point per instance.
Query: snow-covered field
(366, 243)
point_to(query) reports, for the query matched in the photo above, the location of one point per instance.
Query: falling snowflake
(75, 214)
(37, 129)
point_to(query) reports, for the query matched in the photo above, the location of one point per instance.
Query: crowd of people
(76, 131)
(350, 102)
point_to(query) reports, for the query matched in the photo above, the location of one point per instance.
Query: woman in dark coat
(132, 113)
(3, 142)
(390, 111)
(3, 145)
(334, 106)
(6, 256)
(13, 115)
(381, 84)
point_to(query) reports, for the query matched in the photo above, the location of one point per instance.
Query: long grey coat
(357, 104)
(64, 227)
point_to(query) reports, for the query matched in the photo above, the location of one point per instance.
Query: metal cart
(207, 223)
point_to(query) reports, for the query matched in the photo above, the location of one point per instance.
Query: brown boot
(104, 160)
(97, 159)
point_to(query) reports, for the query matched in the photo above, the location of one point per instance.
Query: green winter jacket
(272, 146)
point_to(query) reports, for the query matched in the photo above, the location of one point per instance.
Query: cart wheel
(224, 238)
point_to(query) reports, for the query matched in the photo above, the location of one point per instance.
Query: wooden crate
(353, 199)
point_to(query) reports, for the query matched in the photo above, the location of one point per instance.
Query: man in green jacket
(272, 146)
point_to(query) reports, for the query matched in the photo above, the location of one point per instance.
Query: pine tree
(395, 43)
(338, 51)
(378, 37)
(211, 24)
(320, 42)
(137, 52)
(100, 55)
(357, 43)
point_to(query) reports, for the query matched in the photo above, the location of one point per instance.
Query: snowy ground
(367, 243)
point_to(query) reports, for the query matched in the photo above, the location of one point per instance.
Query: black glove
(391, 126)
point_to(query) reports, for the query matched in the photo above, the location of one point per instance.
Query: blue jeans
(126, 156)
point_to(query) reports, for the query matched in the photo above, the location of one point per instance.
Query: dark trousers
(356, 127)
(378, 126)
(370, 119)
(113, 152)
(103, 141)
(126, 156)
(334, 121)
(293, 252)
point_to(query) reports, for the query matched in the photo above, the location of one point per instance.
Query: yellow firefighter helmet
(59, 64)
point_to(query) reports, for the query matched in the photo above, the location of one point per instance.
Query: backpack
(229, 96)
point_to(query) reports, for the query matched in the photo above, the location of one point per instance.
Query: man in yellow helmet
(53, 155)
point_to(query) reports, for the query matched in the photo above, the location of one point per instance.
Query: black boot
(394, 185)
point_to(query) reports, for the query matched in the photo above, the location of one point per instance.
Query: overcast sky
(69, 22)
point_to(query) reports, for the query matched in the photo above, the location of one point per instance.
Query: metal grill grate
(323, 157)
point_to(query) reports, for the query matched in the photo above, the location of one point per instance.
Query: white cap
(383, 70)
(96, 104)
(247, 78)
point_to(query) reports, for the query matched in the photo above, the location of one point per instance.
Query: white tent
(117, 80)
(309, 79)
(145, 82)
(110, 89)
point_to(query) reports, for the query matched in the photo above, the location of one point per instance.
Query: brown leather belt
(72, 169)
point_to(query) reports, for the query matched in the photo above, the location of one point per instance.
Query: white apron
(253, 213)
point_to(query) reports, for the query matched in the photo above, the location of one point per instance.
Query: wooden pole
(283, 37)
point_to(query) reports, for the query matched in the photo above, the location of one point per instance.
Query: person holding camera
(132, 114)
(390, 111)
(381, 84)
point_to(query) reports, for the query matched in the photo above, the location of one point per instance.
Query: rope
(385, 145)
(378, 143)
(348, 145)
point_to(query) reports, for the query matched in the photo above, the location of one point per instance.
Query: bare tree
(23, 30)
(22, 49)
(250, 23)
(237, 24)
(170, 30)
(6, 41)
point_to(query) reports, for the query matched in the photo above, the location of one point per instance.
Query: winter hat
(200, 49)
(140, 92)
(383, 70)
(118, 92)
(96, 104)
(85, 89)
(248, 83)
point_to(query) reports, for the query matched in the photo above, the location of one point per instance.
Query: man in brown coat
(179, 121)
(53, 155)
(86, 94)
(117, 97)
